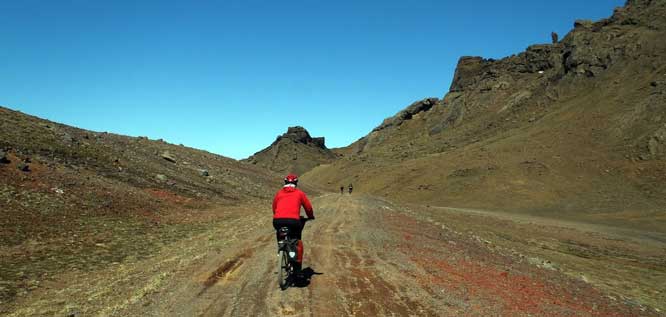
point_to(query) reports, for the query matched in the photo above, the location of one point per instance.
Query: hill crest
(295, 151)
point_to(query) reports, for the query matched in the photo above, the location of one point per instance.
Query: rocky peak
(587, 51)
(294, 151)
(467, 68)
(299, 134)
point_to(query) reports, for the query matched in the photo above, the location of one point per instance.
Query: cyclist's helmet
(291, 179)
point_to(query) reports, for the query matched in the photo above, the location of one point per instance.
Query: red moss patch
(491, 283)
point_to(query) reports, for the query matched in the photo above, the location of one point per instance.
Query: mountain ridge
(571, 128)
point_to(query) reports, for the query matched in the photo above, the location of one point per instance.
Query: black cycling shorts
(295, 227)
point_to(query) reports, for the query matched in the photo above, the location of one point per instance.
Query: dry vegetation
(88, 200)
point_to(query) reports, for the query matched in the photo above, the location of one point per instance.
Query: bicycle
(287, 254)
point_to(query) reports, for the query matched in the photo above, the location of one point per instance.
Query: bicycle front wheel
(283, 269)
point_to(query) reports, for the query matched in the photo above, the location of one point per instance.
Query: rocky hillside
(136, 162)
(73, 199)
(574, 128)
(293, 152)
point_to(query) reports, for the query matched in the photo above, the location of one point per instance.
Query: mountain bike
(287, 255)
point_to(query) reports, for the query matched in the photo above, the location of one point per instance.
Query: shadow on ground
(303, 280)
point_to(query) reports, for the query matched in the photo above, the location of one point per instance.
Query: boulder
(3, 157)
(23, 167)
(161, 177)
(204, 173)
(168, 156)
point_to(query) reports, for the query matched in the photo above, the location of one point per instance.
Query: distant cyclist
(287, 212)
(342, 190)
(350, 188)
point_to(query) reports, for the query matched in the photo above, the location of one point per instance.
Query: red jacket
(288, 201)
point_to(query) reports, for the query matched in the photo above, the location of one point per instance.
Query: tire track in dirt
(348, 277)
(198, 289)
(365, 258)
(364, 283)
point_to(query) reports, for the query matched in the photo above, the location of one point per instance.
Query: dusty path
(349, 273)
(366, 258)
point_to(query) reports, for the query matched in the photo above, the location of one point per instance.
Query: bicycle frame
(287, 255)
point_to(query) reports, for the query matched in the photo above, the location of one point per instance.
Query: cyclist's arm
(274, 203)
(307, 206)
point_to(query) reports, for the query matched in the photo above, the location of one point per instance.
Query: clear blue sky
(229, 76)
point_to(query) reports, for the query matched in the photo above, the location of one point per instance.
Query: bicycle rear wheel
(283, 269)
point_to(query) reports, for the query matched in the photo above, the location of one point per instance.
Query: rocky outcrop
(466, 71)
(301, 135)
(408, 113)
(490, 74)
(294, 151)
(588, 50)
(319, 142)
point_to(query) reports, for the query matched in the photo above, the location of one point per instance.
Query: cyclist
(350, 188)
(342, 190)
(287, 212)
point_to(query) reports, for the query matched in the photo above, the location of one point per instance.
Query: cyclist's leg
(298, 231)
(277, 224)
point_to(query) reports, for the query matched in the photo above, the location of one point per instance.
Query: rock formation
(293, 152)
(551, 128)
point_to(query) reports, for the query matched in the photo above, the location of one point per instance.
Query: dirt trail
(364, 257)
(347, 270)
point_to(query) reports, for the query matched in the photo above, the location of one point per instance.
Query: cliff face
(608, 55)
(573, 125)
(293, 152)
(590, 54)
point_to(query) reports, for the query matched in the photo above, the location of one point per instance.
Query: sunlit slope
(576, 128)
